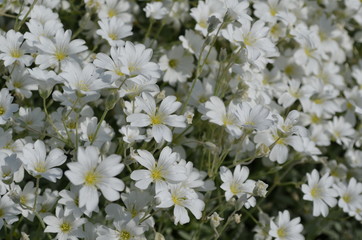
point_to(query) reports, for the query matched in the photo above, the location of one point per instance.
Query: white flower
(60, 51)
(86, 80)
(237, 184)
(6, 107)
(159, 117)
(155, 10)
(253, 117)
(21, 82)
(320, 191)
(165, 170)
(38, 164)
(115, 8)
(89, 128)
(350, 195)
(340, 130)
(135, 60)
(181, 198)
(8, 211)
(125, 230)
(286, 229)
(95, 174)
(66, 227)
(13, 50)
(255, 39)
(216, 112)
(114, 30)
(131, 134)
(177, 65)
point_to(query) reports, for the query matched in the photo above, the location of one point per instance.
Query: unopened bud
(212, 147)
(159, 236)
(111, 100)
(229, 17)
(161, 95)
(24, 236)
(213, 23)
(260, 189)
(237, 218)
(15, 196)
(240, 202)
(223, 55)
(262, 151)
(215, 219)
(189, 116)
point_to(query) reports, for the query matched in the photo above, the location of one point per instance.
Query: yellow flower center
(113, 36)
(315, 119)
(59, 55)
(318, 101)
(124, 235)
(112, 13)
(273, 11)
(71, 125)
(172, 63)
(203, 24)
(280, 141)
(177, 200)
(227, 121)
(65, 227)
(15, 53)
(156, 174)
(347, 198)
(156, 119)
(23, 200)
(91, 178)
(40, 167)
(281, 232)
(249, 40)
(17, 84)
(289, 69)
(91, 137)
(83, 86)
(2, 110)
(315, 192)
(119, 73)
(234, 188)
(250, 123)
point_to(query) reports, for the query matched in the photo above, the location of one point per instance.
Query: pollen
(23, 200)
(113, 36)
(234, 189)
(65, 227)
(2, 110)
(315, 192)
(227, 121)
(83, 86)
(176, 200)
(347, 198)
(156, 119)
(40, 167)
(281, 232)
(112, 13)
(60, 55)
(273, 11)
(15, 53)
(172, 63)
(119, 73)
(124, 235)
(91, 178)
(17, 84)
(156, 174)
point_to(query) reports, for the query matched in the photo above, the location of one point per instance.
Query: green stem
(36, 193)
(17, 28)
(99, 124)
(152, 21)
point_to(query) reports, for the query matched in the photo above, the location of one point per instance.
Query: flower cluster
(131, 120)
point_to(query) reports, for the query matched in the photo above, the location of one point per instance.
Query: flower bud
(213, 23)
(215, 219)
(237, 218)
(189, 116)
(260, 189)
(159, 236)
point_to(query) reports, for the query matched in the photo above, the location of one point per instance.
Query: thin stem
(36, 193)
(99, 125)
(17, 28)
(152, 21)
